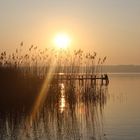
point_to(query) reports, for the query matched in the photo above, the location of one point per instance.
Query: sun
(62, 41)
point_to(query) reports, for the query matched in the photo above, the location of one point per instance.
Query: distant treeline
(121, 68)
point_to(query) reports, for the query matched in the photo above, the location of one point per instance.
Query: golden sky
(111, 27)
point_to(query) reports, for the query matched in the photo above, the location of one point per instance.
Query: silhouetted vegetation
(22, 77)
(38, 62)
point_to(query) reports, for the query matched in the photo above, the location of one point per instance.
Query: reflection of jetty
(103, 78)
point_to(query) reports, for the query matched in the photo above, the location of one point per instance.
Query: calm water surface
(70, 113)
(122, 111)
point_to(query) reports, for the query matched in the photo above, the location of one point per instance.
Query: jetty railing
(93, 78)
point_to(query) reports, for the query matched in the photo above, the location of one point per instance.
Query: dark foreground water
(78, 112)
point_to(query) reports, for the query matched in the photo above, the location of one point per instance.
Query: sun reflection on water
(62, 101)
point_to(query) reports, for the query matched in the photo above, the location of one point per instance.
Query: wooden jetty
(103, 78)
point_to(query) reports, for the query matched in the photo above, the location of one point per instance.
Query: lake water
(122, 110)
(70, 113)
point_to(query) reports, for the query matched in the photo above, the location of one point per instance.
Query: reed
(22, 70)
(22, 74)
(37, 62)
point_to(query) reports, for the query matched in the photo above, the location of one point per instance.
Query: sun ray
(43, 93)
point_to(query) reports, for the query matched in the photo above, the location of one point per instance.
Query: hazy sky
(110, 27)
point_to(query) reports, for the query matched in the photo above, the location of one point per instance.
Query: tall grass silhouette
(37, 62)
(35, 103)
